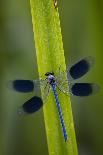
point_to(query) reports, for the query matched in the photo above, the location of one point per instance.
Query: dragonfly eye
(49, 73)
(52, 73)
(46, 74)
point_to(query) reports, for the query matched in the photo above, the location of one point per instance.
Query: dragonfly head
(50, 77)
(49, 73)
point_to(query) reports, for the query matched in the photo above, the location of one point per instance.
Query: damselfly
(52, 82)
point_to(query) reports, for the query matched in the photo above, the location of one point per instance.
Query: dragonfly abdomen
(60, 112)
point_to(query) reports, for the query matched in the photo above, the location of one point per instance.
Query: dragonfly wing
(45, 89)
(83, 89)
(36, 102)
(31, 106)
(24, 86)
(80, 68)
(62, 83)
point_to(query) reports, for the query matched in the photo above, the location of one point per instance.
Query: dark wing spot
(82, 89)
(81, 68)
(32, 105)
(23, 85)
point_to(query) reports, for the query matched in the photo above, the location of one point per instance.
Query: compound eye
(52, 73)
(46, 74)
(49, 73)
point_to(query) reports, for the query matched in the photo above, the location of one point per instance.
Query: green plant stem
(50, 56)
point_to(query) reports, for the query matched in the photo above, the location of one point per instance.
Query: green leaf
(50, 56)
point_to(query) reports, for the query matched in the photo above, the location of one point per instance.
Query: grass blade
(50, 56)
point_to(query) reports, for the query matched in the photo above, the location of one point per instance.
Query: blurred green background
(82, 29)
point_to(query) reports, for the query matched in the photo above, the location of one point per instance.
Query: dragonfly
(54, 82)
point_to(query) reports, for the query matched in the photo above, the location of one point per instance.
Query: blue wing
(31, 106)
(80, 68)
(83, 89)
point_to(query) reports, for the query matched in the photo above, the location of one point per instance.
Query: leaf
(50, 56)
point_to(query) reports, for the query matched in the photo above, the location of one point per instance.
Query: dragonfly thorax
(50, 77)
